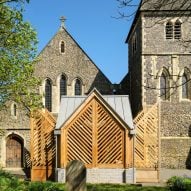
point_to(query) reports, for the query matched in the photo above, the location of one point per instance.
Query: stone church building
(65, 70)
(159, 73)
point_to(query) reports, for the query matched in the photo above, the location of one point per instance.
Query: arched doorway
(14, 152)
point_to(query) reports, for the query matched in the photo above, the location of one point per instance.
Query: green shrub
(176, 183)
(43, 186)
(10, 183)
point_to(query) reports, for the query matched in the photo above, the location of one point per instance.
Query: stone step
(19, 173)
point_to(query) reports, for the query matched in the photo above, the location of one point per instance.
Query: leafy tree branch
(18, 45)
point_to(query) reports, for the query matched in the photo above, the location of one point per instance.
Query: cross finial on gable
(62, 19)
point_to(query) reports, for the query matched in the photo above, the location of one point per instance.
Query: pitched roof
(118, 103)
(63, 30)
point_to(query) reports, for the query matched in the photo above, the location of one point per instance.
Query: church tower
(160, 72)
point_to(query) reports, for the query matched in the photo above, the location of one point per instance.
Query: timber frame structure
(42, 146)
(97, 135)
(147, 145)
(97, 130)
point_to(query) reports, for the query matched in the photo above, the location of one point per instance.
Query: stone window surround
(62, 46)
(14, 108)
(50, 104)
(59, 81)
(179, 90)
(186, 72)
(56, 90)
(173, 21)
(68, 84)
(169, 30)
(74, 86)
(164, 71)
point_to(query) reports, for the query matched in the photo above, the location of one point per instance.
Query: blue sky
(91, 24)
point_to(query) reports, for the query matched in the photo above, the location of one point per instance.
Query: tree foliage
(17, 58)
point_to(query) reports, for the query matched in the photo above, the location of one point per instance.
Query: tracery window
(78, 87)
(48, 95)
(63, 86)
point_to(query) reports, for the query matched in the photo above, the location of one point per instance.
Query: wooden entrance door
(14, 152)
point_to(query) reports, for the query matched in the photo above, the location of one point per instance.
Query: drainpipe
(56, 158)
(133, 133)
(134, 177)
(56, 142)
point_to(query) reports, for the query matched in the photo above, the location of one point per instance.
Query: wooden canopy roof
(117, 105)
(96, 130)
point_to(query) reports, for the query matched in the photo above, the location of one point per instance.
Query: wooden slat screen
(79, 138)
(109, 139)
(147, 138)
(95, 138)
(42, 145)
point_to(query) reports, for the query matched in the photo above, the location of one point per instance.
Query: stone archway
(14, 151)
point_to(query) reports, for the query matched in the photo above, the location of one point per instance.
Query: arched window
(164, 87)
(185, 86)
(63, 86)
(48, 95)
(78, 87)
(169, 30)
(62, 47)
(177, 30)
(14, 110)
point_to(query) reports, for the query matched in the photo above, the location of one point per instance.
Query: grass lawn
(118, 187)
(10, 183)
(96, 187)
(123, 187)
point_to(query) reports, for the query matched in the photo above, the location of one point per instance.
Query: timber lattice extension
(147, 144)
(42, 145)
(95, 137)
